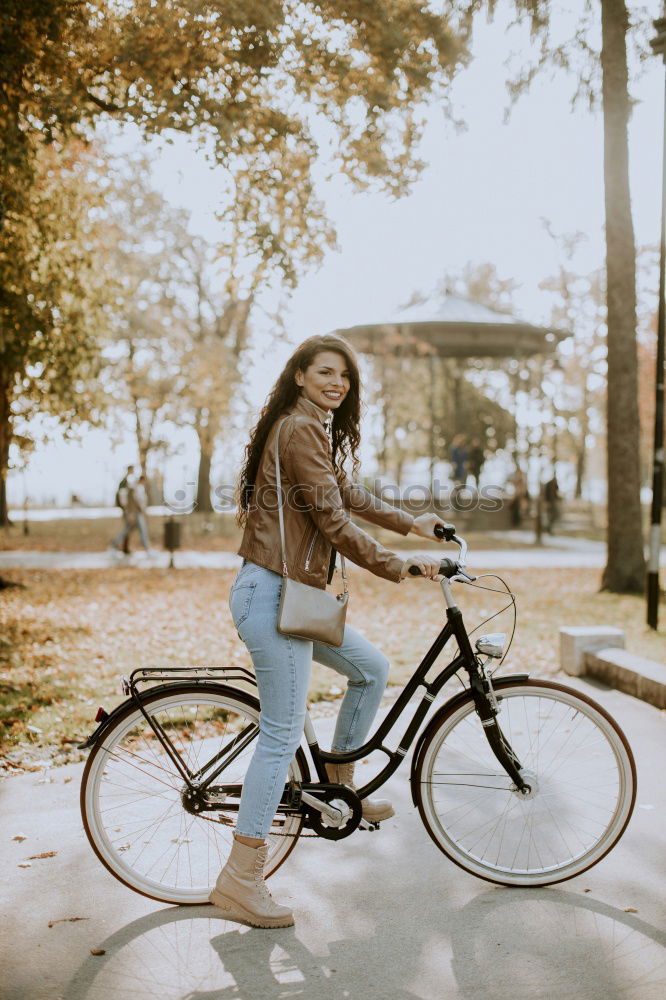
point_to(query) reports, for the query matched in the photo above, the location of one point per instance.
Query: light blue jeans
(282, 668)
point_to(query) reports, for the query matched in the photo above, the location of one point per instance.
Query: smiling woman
(318, 391)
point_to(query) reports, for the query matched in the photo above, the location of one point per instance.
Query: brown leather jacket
(316, 507)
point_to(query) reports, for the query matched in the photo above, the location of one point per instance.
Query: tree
(224, 287)
(579, 307)
(253, 83)
(50, 300)
(625, 566)
(141, 340)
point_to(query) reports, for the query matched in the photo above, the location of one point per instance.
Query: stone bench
(599, 652)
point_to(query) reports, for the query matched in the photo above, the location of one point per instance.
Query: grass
(68, 636)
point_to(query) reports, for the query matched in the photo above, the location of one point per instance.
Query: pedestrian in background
(141, 501)
(458, 457)
(123, 501)
(476, 459)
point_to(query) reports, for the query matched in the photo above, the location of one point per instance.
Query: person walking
(319, 393)
(123, 501)
(141, 501)
(476, 461)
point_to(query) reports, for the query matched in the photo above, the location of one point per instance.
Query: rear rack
(147, 675)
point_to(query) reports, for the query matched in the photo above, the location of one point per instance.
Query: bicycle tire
(575, 756)
(129, 757)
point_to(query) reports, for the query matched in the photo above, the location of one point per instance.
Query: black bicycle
(520, 782)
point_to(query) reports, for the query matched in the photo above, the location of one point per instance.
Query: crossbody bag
(304, 611)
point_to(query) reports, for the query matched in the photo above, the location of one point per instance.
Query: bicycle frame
(466, 658)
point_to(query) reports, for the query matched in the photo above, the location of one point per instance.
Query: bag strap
(278, 481)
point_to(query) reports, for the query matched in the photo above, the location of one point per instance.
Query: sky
(483, 196)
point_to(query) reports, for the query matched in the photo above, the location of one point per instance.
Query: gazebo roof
(456, 328)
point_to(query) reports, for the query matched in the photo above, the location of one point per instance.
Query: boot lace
(259, 876)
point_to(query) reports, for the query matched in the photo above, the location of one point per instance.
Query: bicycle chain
(271, 833)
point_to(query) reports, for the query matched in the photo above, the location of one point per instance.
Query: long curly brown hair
(346, 435)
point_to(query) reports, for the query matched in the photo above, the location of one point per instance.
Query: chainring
(333, 796)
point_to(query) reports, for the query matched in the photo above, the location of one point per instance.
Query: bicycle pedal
(367, 825)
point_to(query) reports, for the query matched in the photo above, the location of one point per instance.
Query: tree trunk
(203, 483)
(205, 459)
(580, 473)
(432, 423)
(625, 567)
(5, 441)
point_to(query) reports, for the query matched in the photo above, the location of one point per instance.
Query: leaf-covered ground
(199, 532)
(67, 636)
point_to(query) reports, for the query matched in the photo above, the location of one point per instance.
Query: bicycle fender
(444, 709)
(110, 719)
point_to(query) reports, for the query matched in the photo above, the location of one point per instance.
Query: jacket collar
(305, 405)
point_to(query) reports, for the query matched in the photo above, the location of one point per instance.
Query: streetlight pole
(659, 48)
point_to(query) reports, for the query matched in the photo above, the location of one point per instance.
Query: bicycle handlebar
(447, 567)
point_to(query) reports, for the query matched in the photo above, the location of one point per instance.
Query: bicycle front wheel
(133, 798)
(573, 755)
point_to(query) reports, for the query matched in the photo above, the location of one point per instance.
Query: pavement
(381, 916)
(555, 553)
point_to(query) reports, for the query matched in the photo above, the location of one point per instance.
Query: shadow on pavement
(503, 943)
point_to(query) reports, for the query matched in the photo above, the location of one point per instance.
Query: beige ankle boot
(374, 810)
(240, 890)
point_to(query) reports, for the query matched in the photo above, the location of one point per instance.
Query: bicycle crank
(332, 811)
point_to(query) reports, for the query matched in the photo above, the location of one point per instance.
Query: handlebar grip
(447, 568)
(446, 531)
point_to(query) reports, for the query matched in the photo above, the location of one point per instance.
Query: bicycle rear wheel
(132, 793)
(577, 761)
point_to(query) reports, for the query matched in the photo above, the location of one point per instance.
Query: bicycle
(519, 781)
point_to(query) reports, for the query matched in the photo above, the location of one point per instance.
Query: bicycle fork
(487, 709)
(485, 701)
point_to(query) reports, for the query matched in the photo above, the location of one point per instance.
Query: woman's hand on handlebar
(425, 524)
(428, 566)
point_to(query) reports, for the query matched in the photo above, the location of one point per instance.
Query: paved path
(378, 917)
(571, 553)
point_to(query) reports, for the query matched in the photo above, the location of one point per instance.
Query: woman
(319, 389)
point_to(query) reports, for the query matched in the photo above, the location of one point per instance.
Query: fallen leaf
(97, 951)
(587, 890)
(630, 909)
(44, 854)
(24, 864)
(66, 920)
(19, 837)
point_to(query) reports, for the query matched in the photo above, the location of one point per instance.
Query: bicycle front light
(491, 644)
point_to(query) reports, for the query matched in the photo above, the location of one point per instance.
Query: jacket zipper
(309, 552)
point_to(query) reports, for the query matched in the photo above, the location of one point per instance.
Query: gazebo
(455, 328)
(452, 328)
